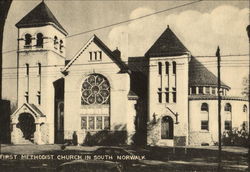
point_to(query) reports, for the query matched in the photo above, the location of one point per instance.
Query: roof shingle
(199, 75)
(167, 45)
(40, 16)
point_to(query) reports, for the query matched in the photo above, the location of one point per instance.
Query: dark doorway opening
(59, 110)
(26, 123)
(167, 128)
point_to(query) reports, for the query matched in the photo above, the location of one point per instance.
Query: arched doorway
(167, 128)
(26, 123)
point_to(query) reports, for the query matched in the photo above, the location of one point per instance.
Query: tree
(4, 9)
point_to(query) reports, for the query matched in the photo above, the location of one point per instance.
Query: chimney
(117, 53)
(124, 47)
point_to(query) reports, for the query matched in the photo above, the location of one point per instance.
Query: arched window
(28, 40)
(167, 68)
(167, 128)
(204, 107)
(39, 40)
(61, 45)
(95, 90)
(245, 108)
(55, 42)
(228, 107)
(174, 67)
(204, 116)
(159, 68)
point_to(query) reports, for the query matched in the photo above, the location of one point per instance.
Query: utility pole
(248, 33)
(219, 108)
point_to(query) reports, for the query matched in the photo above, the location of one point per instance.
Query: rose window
(95, 90)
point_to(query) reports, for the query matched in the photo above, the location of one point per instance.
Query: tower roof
(40, 16)
(167, 45)
(199, 75)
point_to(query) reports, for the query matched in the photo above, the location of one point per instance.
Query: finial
(168, 26)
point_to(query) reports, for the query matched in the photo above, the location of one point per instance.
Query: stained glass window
(95, 90)
(84, 122)
(98, 122)
(106, 122)
(91, 123)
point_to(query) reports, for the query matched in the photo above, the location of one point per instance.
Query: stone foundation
(198, 138)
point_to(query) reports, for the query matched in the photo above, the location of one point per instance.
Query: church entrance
(26, 123)
(167, 128)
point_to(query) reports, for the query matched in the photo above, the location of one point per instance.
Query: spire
(40, 16)
(167, 45)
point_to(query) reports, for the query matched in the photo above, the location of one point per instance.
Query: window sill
(95, 130)
(94, 60)
(204, 131)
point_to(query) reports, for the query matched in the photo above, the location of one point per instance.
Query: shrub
(235, 137)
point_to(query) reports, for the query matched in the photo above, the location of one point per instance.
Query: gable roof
(199, 75)
(32, 108)
(40, 16)
(167, 45)
(123, 67)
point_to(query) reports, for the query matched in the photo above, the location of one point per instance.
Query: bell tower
(40, 56)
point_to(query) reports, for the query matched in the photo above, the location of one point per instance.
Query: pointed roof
(167, 45)
(199, 75)
(123, 67)
(33, 109)
(40, 16)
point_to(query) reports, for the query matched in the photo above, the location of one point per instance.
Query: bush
(235, 137)
(106, 138)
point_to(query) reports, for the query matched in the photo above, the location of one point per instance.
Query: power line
(134, 19)
(121, 22)
(205, 63)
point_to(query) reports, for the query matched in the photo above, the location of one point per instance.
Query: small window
(61, 46)
(174, 95)
(193, 90)
(207, 90)
(228, 107)
(204, 107)
(39, 68)
(159, 68)
(39, 97)
(55, 42)
(245, 108)
(26, 95)
(27, 69)
(100, 55)
(160, 97)
(167, 95)
(90, 56)
(200, 90)
(228, 125)
(95, 55)
(39, 40)
(174, 67)
(204, 125)
(28, 40)
(213, 91)
(167, 68)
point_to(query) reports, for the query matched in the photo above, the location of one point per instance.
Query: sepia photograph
(124, 85)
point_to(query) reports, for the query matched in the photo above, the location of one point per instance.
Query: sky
(201, 27)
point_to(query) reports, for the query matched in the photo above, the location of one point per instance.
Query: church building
(165, 98)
